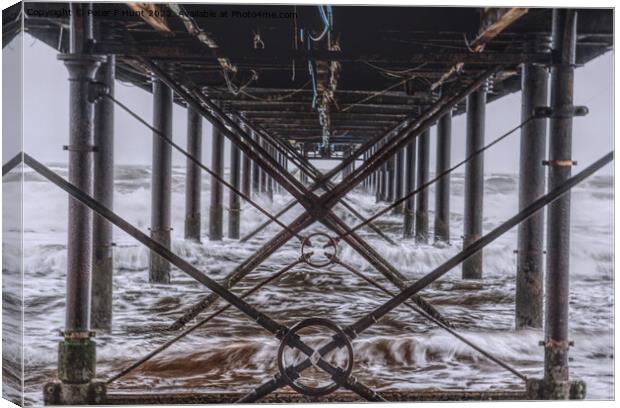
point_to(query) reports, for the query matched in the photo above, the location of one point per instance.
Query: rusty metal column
(263, 173)
(442, 189)
(216, 210)
(193, 182)
(161, 176)
(255, 172)
(103, 191)
(303, 177)
(268, 179)
(410, 165)
(346, 169)
(246, 174)
(374, 186)
(366, 181)
(234, 205)
(76, 354)
(474, 181)
(529, 285)
(390, 179)
(399, 179)
(421, 211)
(558, 212)
(383, 193)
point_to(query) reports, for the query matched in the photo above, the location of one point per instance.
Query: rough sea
(402, 352)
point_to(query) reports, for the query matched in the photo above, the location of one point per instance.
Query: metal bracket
(161, 229)
(77, 334)
(80, 148)
(542, 112)
(552, 344)
(559, 163)
(97, 90)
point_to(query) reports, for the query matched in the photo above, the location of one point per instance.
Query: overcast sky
(46, 115)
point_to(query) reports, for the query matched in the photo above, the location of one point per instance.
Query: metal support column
(234, 205)
(383, 192)
(303, 177)
(410, 166)
(76, 354)
(263, 173)
(399, 179)
(255, 173)
(347, 169)
(246, 175)
(442, 189)
(421, 211)
(193, 184)
(474, 181)
(529, 285)
(103, 191)
(557, 291)
(391, 164)
(216, 210)
(268, 179)
(161, 177)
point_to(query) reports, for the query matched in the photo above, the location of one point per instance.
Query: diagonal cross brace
(355, 329)
(260, 318)
(318, 207)
(282, 147)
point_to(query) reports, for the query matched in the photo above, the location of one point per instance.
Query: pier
(281, 87)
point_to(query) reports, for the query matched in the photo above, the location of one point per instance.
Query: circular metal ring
(306, 254)
(304, 389)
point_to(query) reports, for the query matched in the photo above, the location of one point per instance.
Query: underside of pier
(286, 85)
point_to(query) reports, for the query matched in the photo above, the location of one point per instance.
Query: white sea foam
(402, 351)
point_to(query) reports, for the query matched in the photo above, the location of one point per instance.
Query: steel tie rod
(324, 202)
(314, 174)
(439, 176)
(364, 323)
(409, 132)
(262, 319)
(11, 164)
(204, 321)
(222, 122)
(199, 163)
(434, 320)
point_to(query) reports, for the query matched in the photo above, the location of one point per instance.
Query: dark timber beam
(474, 181)
(194, 51)
(153, 15)
(161, 177)
(493, 22)
(193, 183)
